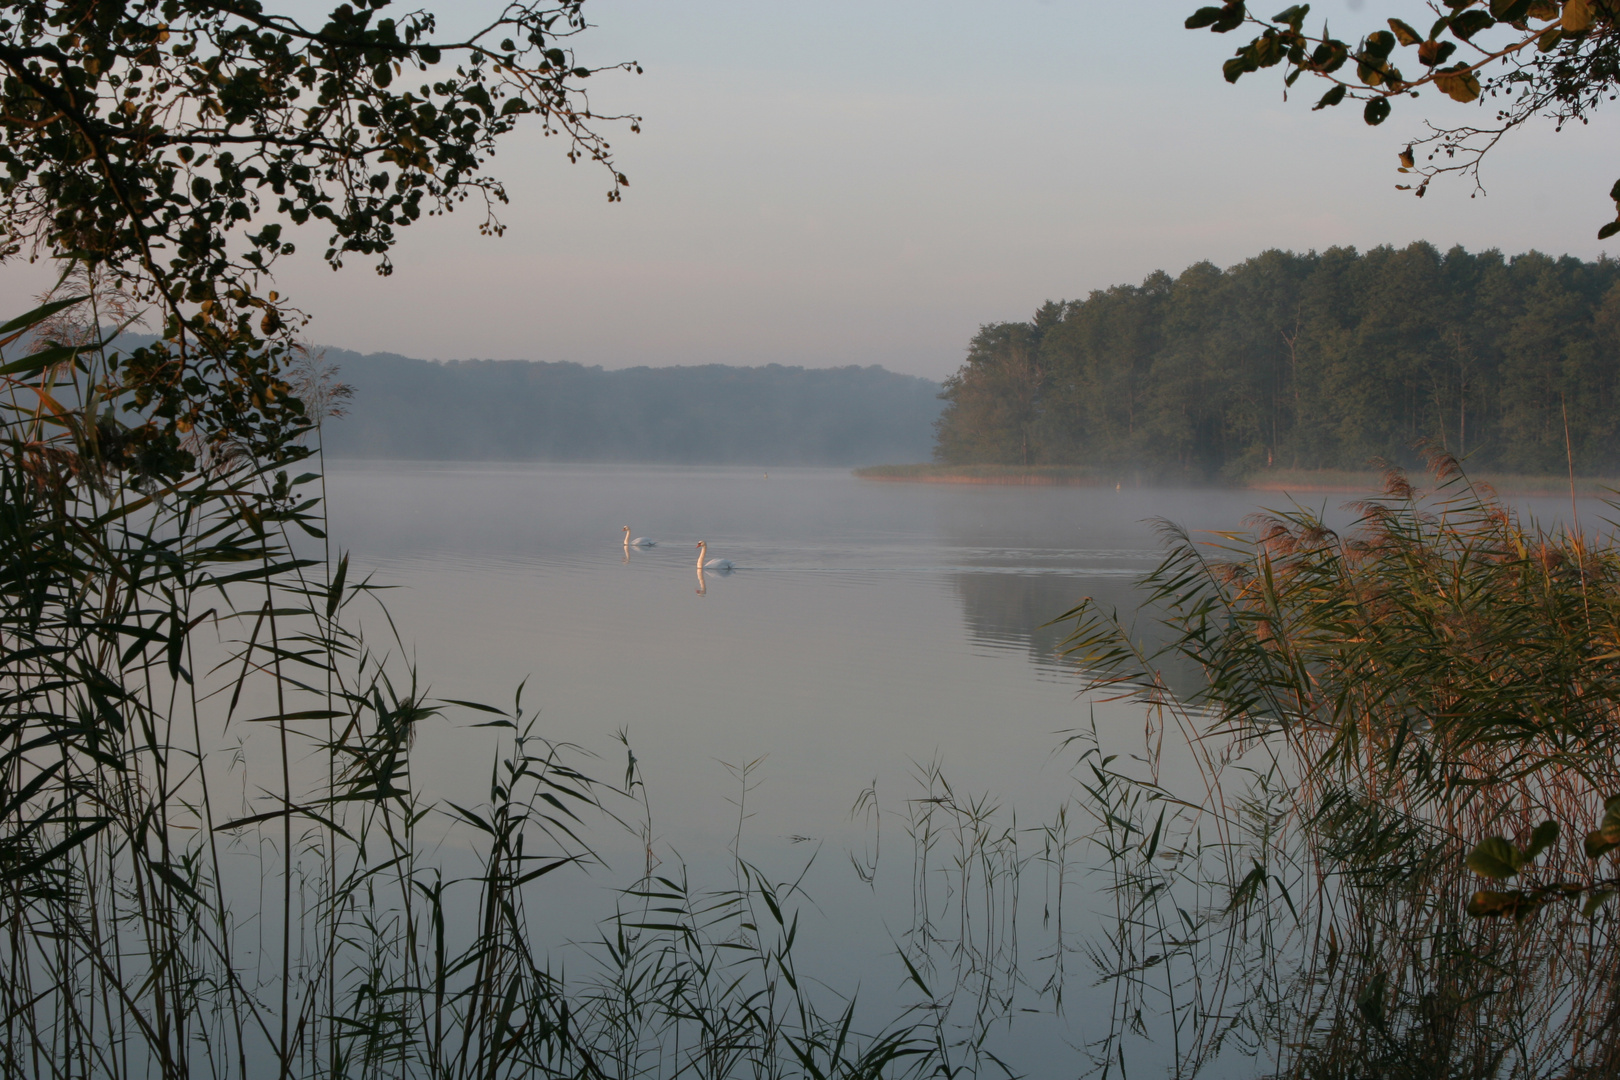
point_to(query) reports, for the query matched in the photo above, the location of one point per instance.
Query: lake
(874, 637)
(868, 625)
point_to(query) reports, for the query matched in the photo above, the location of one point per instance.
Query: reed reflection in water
(896, 633)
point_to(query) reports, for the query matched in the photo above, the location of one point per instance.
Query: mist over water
(867, 625)
(870, 632)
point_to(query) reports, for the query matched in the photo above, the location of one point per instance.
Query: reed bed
(214, 858)
(1358, 852)
(1382, 707)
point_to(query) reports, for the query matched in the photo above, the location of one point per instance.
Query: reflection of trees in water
(1016, 611)
(1276, 880)
(1011, 610)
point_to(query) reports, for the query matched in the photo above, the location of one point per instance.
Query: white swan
(712, 564)
(640, 541)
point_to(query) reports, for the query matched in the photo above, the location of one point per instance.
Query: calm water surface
(870, 630)
(868, 626)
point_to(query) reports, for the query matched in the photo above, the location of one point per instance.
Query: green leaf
(40, 314)
(1294, 16)
(1379, 44)
(1153, 844)
(1487, 904)
(21, 871)
(1494, 858)
(1608, 230)
(1540, 840)
(1202, 17)
(1231, 17)
(1370, 1001)
(1457, 83)
(1599, 842)
(1611, 812)
(915, 976)
(1332, 97)
(1469, 23)
(546, 868)
(1404, 33)
(1376, 112)
(1595, 901)
(474, 705)
(1434, 53)
(1510, 11)
(42, 359)
(1606, 837)
(334, 594)
(301, 714)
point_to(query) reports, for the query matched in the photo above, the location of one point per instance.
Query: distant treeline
(1305, 361)
(520, 411)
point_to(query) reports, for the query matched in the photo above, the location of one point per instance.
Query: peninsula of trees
(1305, 361)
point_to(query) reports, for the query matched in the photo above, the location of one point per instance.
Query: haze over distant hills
(513, 410)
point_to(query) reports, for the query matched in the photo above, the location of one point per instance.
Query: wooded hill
(521, 411)
(1305, 361)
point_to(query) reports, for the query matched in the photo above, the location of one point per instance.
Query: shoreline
(1303, 481)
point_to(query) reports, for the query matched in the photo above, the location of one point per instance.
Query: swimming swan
(712, 564)
(640, 541)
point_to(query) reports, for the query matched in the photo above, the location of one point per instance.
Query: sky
(869, 181)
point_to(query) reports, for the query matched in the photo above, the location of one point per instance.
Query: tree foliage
(510, 410)
(1305, 361)
(1529, 59)
(170, 144)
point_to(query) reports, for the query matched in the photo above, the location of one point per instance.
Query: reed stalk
(1381, 707)
(216, 860)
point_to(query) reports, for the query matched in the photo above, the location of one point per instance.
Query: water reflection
(895, 632)
(1021, 612)
(1016, 611)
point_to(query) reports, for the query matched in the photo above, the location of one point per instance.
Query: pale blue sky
(867, 182)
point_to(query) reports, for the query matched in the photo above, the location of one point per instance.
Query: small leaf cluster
(1500, 860)
(1547, 58)
(172, 143)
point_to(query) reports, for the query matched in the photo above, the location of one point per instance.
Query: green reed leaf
(1540, 840)
(40, 314)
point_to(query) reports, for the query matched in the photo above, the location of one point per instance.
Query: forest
(478, 410)
(1325, 360)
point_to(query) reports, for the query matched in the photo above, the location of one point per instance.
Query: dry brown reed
(1377, 704)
